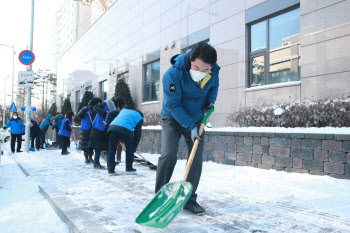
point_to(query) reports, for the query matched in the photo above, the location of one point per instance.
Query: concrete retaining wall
(316, 154)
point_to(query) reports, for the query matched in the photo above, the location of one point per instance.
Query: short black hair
(119, 102)
(205, 52)
(94, 101)
(69, 115)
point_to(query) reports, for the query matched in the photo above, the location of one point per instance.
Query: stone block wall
(316, 154)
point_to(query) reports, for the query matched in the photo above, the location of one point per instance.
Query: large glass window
(103, 90)
(124, 76)
(77, 100)
(151, 82)
(275, 50)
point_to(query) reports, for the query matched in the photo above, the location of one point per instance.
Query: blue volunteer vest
(127, 118)
(63, 131)
(98, 121)
(86, 122)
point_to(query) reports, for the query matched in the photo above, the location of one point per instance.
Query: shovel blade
(167, 203)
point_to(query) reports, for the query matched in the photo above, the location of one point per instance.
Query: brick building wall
(316, 154)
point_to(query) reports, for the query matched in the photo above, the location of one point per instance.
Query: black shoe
(194, 207)
(65, 153)
(99, 166)
(130, 170)
(12, 152)
(116, 163)
(111, 173)
(19, 151)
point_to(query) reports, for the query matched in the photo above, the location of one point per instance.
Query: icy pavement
(22, 208)
(237, 199)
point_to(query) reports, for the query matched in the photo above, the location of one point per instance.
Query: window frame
(265, 52)
(144, 73)
(100, 90)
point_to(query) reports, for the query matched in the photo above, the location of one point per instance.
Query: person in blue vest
(127, 126)
(34, 136)
(86, 114)
(56, 126)
(190, 87)
(98, 137)
(17, 130)
(65, 131)
(44, 126)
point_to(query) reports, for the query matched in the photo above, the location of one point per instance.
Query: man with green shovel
(190, 87)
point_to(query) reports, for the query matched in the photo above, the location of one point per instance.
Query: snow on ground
(22, 208)
(324, 130)
(237, 199)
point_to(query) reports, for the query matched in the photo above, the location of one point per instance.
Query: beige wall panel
(326, 86)
(231, 52)
(220, 33)
(327, 57)
(273, 96)
(223, 9)
(308, 6)
(232, 76)
(325, 24)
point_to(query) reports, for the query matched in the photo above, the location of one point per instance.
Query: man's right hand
(194, 134)
(4, 127)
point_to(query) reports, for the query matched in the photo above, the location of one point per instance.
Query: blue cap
(49, 116)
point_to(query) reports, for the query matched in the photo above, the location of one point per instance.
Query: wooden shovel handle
(135, 152)
(193, 152)
(89, 116)
(74, 136)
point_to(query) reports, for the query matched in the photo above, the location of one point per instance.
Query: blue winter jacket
(16, 125)
(183, 98)
(85, 119)
(127, 118)
(63, 130)
(98, 121)
(44, 126)
(58, 122)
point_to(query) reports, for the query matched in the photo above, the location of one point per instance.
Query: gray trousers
(171, 133)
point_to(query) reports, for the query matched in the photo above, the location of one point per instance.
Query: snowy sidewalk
(236, 199)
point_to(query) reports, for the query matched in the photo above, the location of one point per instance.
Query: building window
(274, 53)
(151, 82)
(124, 76)
(77, 100)
(103, 90)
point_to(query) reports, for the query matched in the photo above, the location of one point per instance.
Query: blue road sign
(13, 107)
(32, 109)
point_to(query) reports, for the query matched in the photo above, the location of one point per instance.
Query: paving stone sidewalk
(89, 200)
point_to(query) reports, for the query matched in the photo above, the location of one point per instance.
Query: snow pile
(22, 207)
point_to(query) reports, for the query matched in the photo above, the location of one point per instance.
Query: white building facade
(270, 51)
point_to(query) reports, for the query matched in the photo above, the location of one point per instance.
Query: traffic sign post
(26, 57)
(26, 79)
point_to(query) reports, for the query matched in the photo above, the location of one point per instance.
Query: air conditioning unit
(82, 85)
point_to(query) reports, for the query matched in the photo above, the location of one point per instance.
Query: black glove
(4, 127)
(86, 109)
(207, 107)
(23, 133)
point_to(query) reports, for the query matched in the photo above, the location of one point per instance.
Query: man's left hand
(207, 107)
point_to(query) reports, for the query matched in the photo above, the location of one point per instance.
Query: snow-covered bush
(151, 118)
(335, 113)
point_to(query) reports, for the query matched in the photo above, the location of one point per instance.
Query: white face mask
(197, 75)
(14, 117)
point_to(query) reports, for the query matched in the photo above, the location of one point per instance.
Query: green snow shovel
(172, 197)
